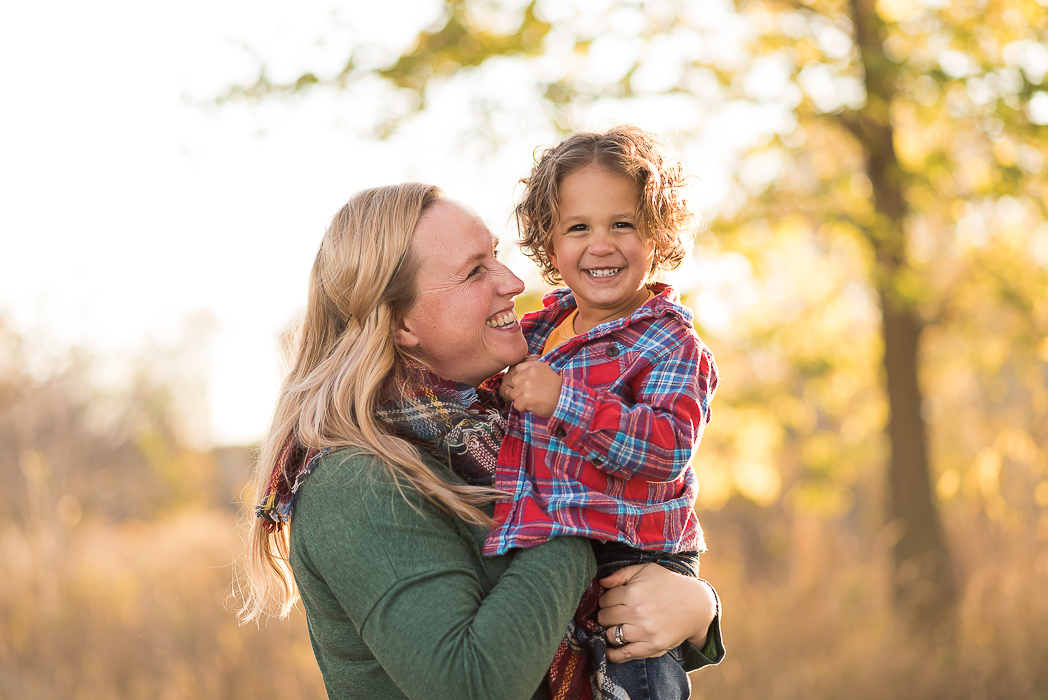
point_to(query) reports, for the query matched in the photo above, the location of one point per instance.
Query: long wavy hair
(363, 280)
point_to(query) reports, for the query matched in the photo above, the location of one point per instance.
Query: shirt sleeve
(412, 581)
(654, 436)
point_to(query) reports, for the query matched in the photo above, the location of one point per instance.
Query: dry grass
(826, 629)
(139, 610)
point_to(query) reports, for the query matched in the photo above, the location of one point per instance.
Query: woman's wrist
(703, 637)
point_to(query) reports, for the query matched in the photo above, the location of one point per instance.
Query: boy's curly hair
(664, 215)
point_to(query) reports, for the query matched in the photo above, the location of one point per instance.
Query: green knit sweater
(401, 604)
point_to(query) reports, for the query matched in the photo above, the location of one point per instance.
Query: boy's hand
(532, 386)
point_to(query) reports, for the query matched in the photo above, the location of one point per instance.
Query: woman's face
(462, 324)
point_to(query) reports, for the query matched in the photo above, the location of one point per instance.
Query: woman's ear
(403, 335)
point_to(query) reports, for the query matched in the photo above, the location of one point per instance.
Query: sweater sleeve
(441, 620)
(711, 654)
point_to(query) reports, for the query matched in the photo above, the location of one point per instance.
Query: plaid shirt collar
(559, 303)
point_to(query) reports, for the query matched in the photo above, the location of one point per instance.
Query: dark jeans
(658, 678)
(612, 556)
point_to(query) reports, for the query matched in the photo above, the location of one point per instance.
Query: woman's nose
(509, 284)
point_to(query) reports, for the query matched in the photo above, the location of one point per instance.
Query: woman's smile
(503, 320)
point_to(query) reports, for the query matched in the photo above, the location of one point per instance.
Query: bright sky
(130, 206)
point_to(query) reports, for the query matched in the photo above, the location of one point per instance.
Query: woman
(385, 547)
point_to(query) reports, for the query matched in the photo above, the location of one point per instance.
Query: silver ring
(619, 638)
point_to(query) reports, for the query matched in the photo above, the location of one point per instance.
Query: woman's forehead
(450, 232)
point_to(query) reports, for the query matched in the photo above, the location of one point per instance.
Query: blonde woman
(409, 312)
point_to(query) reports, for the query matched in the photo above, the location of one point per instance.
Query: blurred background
(872, 277)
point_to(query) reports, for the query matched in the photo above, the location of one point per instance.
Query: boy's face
(596, 245)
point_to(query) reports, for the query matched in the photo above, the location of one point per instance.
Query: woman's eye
(475, 271)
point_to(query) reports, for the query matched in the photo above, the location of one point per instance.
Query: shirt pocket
(604, 367)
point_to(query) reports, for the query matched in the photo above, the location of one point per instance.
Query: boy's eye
(623, 224)
(577, 227)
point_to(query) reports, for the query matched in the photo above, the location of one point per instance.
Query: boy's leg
(658, 678)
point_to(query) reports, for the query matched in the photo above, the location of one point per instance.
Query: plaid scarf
(580, 667)
(289, 473)
(452, 421)
(569, 673)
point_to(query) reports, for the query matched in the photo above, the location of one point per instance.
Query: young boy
(604, 426)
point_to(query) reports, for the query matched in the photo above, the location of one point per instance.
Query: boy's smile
(597, 246)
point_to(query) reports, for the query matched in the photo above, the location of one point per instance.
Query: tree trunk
(923, 582)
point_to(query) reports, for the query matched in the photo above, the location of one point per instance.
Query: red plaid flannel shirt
(613, 462)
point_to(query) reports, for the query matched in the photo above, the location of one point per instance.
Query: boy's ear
(552, 255)
(403, 334)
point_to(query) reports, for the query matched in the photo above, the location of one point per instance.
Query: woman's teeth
(502, 320)
(605, 272)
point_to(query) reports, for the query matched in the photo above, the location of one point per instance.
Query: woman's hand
(532, 386)
(657, 608)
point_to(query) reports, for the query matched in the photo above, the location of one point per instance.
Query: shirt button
(560, 432)
(597, 461)
(612, 351)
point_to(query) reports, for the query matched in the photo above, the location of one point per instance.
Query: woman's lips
(502, 320)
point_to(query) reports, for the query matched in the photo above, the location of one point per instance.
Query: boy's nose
(601, 243)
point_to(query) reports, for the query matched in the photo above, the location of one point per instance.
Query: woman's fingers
(620, 577)
(659, 609)
(633, 650)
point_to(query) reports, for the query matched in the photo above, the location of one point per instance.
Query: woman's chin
(515, 351)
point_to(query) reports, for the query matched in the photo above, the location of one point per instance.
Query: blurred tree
(71, 449)
(901, 141)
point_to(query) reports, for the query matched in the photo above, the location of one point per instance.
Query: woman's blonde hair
(363, 280)
(664, 215)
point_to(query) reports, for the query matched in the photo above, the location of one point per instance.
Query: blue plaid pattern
(613, 462)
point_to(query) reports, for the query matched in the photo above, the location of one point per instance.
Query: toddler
(602, 429)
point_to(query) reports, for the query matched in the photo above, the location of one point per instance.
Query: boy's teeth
(502, 320)
(604, 272)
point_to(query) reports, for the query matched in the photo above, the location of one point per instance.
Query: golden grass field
(143, 610)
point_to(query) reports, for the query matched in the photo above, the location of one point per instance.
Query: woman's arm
(440, 620)
(658, 610)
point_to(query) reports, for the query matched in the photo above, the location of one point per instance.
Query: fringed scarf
(454, 422)
(569, 673)
(293, 466)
